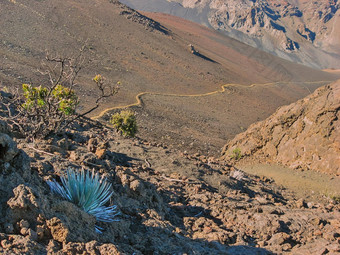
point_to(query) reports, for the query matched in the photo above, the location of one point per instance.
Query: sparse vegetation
(38, 111)
(88, 191)
(236, 154)
(125, 122)
(63, 100)
(335, 196)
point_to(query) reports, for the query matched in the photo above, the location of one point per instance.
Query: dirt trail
(222, 90)
(306, 184)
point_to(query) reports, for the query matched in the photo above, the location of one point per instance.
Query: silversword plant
(88, 191)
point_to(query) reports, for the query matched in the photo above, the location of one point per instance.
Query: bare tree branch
(41, 110)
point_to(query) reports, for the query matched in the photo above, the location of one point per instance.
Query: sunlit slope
(124, 45)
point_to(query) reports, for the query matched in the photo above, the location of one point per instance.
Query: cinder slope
(147, 56)
(123, 45)
(305, 134)
(302, 31)
(234, 55)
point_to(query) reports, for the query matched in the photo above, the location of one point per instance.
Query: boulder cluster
(170, 202)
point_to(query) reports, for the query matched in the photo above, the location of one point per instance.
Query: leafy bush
(44, 110)
(66, 98)
(35, 96)
(125, 122)
(236, 154)
(89, 192)
(39, 111)
(63, 100)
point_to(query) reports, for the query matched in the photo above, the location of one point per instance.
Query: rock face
(169, 203)
(286, 28)
(305, 134)
(8, 148)
(296, 30)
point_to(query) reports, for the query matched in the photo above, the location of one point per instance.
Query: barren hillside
(302, 31)
(154, 57)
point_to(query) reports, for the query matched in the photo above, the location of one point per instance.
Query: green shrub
(236, 154)
(125, 122)
(34, 96)
(66, 98)
(39, 111)
(60, 99)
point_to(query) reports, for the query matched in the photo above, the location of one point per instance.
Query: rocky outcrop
(137, 17)
(4, 128)
(305, 134)
(8, 148)
(274, 23)
(169, 202)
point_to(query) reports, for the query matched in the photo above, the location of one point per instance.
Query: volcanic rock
(305, 134)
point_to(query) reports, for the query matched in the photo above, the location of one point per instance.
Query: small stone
(24, 231)
(317, 232)
(40, 231)
(329, 235)
(286, 246)
(262, 200)
(100, 153)
(32, 234)
(9, 229)
(23, 198)
(8, 148)
(279, 238)
(310, 205)
(6, 244)
(261, 243)
(335, 223)
(4, 128)
(137, 186)
(90, 247)
(92, 144)
(315, 221)
(58, 229)
(300, 203)
(74, 156)
(24, 224)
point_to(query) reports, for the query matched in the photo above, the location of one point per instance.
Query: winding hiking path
(139, 96)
